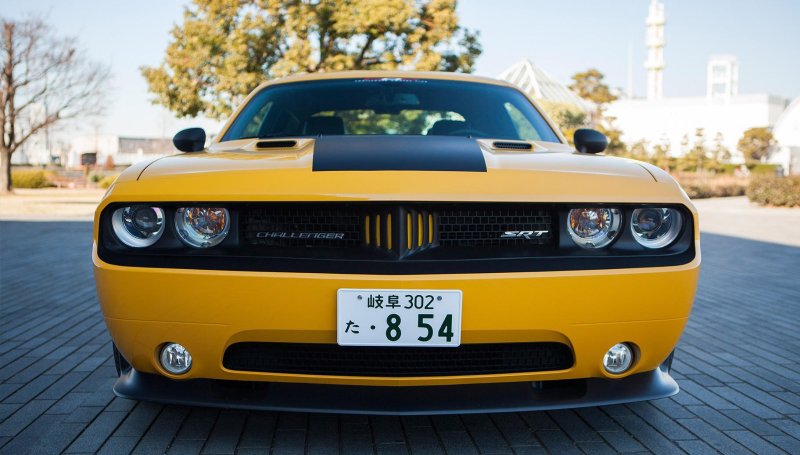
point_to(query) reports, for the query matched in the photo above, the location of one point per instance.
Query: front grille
(484, 227)
(331, 359)
(273, 226)
(399, 231)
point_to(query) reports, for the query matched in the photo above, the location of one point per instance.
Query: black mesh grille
(301, 226)
(331, 359)
(399, 231)
(484, 226)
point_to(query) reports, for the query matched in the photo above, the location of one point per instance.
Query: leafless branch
(45, 80)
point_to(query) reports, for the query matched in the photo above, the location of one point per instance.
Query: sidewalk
(51, 204)
(737, 217)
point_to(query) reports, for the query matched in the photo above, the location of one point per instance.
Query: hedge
(29, 178)
(759, 168)
(106, 181)
(776, 191)
(707, 185)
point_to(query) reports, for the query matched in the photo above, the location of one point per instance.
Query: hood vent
(508, 145)
(276, 144)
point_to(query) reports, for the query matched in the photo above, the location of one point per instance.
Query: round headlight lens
(593, 227)
(202, 227)
(138, 226)
(656, 227)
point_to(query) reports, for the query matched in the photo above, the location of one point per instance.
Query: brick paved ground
(738, 365)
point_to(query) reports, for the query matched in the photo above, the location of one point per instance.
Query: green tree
(638, 151)
(720, 153)
(756, 144)
(614, 136)
(225, 48)
(696, 157)
(589, 85)
(685, 144)
(567, 116)
(660, 156)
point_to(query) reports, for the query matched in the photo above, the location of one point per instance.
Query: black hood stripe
(397, 153)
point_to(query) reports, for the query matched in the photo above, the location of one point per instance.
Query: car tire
(122, 365)
(666, 366)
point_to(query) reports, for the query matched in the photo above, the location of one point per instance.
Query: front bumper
(473, 398)
(207, 311)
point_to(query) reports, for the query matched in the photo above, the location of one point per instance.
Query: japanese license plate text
(398, 317)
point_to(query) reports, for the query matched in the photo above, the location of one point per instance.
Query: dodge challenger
(394, 242)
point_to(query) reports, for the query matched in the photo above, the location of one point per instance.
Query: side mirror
(589, 141)
(190, 140)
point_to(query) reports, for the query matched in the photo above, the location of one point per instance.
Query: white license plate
(398, 317)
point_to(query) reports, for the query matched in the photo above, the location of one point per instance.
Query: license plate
(398, 317)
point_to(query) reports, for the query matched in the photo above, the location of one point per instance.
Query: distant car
(394, 242)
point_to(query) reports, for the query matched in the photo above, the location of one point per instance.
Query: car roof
(441, 75)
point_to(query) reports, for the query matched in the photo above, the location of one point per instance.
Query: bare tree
(45, 80)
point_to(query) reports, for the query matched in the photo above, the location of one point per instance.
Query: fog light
(618, 359)
(175, 358)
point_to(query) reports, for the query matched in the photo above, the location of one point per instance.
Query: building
(723, 113)
(541, 86)
(787, 134)
(672, 121)
(123, 151)
(722, 78)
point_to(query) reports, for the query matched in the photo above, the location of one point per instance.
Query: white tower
(722, 80)
(655, 50)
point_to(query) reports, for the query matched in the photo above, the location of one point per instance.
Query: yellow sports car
(394, 242)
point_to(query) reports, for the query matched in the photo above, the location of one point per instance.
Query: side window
(525, 130)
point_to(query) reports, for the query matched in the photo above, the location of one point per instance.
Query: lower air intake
(331, 359)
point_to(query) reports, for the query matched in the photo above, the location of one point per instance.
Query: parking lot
(738, 365)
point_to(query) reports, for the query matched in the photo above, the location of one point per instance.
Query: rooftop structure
(539, 85)
(655, 50)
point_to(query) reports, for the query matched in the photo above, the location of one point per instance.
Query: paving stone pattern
(738, 365)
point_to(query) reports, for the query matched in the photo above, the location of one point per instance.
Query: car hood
(257, 170)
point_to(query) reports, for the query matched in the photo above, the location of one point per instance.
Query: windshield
(391, 106)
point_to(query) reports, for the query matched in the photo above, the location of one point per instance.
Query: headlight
(656, 227)
(202, 227)
(593, 227)
(138, 226)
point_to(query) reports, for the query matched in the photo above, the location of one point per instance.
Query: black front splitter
(456, 399)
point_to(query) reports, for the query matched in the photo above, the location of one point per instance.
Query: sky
(562, 37)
